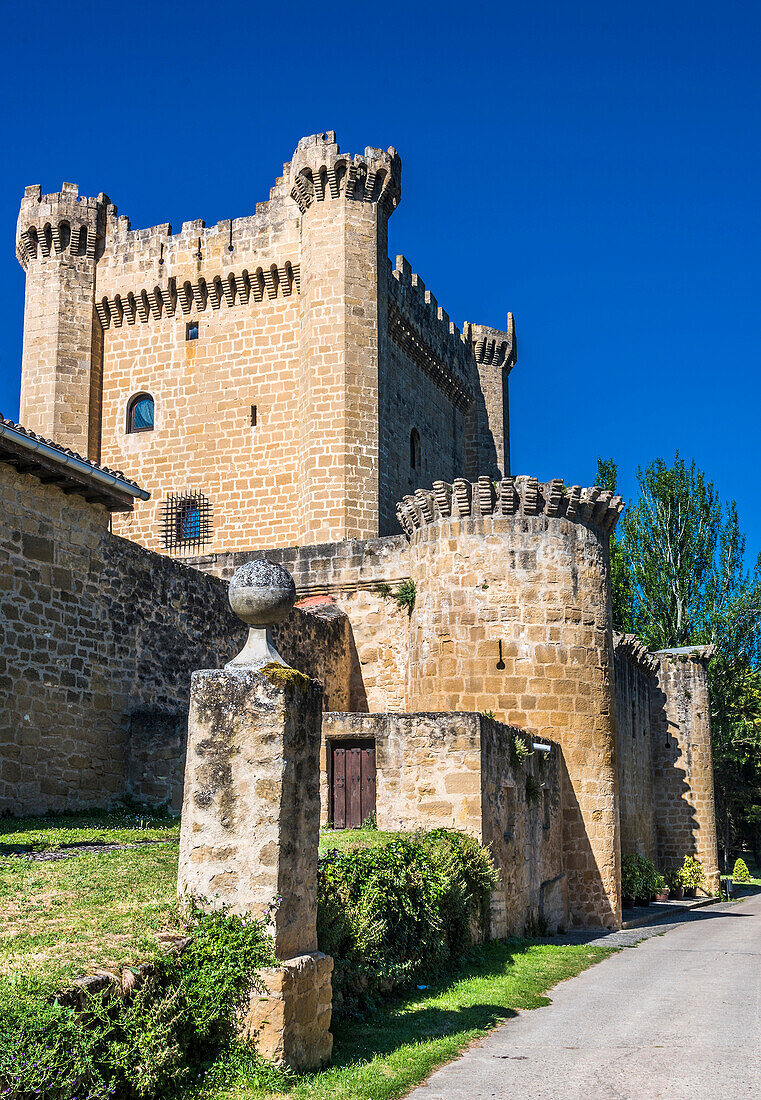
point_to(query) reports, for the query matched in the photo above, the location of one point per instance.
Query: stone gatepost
(251, 814)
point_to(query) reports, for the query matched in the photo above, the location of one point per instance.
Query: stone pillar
(685, 816)
(251, 814)
(512, 617)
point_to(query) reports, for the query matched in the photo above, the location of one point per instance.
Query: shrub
(659, 883)
(691, 875)
(740, 872)
(398, 914)
(639, 878)
(146, 1045)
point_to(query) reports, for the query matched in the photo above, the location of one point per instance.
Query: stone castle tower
(270, 380)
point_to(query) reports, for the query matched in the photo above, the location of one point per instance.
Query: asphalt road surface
(677, 1017)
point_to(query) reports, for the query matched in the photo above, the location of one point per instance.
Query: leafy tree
(623, 594)
(679, 579)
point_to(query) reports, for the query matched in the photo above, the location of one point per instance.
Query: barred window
(186, 521)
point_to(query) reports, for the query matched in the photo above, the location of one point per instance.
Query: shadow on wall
(588, 902)
(676, 822)
(480, 450)
(357, 695)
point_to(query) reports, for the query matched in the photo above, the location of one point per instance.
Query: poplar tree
(679, 579)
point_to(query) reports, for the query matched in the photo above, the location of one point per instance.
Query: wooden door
(353, 783)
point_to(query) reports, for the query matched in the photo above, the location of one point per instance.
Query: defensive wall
(510, 625)
(99, 639)
(285, 357)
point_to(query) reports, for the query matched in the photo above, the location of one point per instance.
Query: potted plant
(676, 890)
(661, 887)
(692, 876)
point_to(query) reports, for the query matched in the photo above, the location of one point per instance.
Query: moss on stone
(283, 677)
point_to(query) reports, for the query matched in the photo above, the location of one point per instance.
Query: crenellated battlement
(63, 222)
(524, 496)
(422, 329)
(319, 172)
(491, 346)
(630, 647)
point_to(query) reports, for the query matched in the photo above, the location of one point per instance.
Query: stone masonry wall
(313, 639)
(460, 771)
(635, 683)
(94, 629)
(352, 574)
(99, 639)
(685, 818)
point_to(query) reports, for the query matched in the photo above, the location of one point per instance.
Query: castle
(271, 358)
(271, 385)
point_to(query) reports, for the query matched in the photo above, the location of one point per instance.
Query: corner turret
(59, 238)
(495, 353)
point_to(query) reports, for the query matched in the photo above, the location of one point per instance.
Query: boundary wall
(99, 638)
(462, 771)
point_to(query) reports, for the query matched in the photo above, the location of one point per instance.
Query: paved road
(678, 1017)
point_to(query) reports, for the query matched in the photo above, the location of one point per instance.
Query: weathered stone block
(250, 824)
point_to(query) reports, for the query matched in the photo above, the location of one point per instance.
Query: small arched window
(414, 449)
(140, 413)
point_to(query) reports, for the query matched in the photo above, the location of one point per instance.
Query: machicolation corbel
(521, 495)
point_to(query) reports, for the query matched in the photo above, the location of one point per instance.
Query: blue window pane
(190, 523)
(142, 415)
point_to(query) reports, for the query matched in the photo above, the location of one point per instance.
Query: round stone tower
(512, 617)
(59, 238)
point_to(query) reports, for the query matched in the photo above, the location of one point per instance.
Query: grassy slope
(62, 918)
(66, 917)
(395, 1048)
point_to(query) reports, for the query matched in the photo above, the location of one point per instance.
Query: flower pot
(644, 902)
(677, 893)
(627, 902)
(690, 891)
(663, 896)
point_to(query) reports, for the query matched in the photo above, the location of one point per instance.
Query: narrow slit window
(253, 416)
(191, 330)
(414, 449)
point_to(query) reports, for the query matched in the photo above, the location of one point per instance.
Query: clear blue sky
(593, 167)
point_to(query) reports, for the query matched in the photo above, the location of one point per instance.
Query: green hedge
(147, 1045)
(639, 878)
(403, 913)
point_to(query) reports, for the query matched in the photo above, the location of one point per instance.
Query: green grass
(121, 826)
(63, 918)
(384, 1055)
(341, 839)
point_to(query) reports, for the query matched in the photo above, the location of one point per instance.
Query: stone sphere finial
(262, 593)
